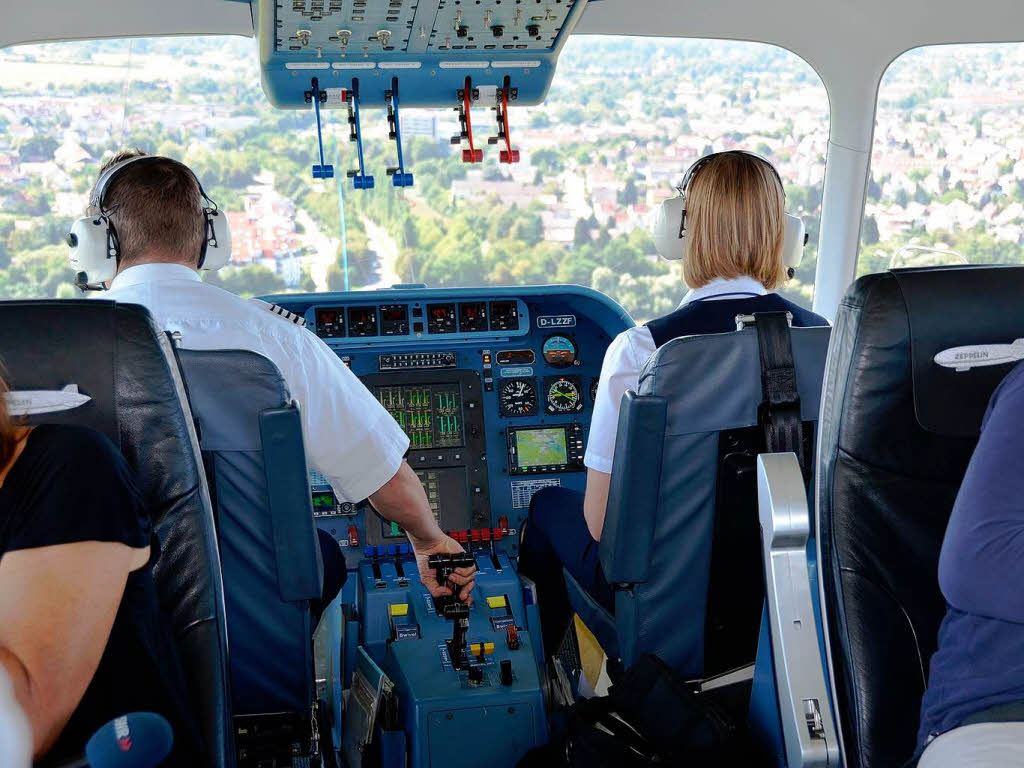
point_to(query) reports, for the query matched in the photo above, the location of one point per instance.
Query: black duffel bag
(649, 717)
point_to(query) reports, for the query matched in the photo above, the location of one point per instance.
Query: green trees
(36, 148)
(43, 272)
(249, 280)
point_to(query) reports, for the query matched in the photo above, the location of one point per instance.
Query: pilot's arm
(353, 442)
(619, 372)
(981, 566)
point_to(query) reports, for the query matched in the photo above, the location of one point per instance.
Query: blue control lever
(359, 178)
(318, 97)
(399, 177)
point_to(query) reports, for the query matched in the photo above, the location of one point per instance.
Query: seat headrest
(960, 306)
(52, 345)
(228, 389)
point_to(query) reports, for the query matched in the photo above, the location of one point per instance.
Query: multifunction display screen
(539, 450)
(324, 503)
(541, 447)
(430, 414)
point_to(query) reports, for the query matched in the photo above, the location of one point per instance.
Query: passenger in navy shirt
(973, 710)
(733, 259)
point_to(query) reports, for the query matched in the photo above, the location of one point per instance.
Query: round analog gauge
(559, 351)
(563, 396)
(517, 397)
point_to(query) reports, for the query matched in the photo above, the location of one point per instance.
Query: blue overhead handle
(318, 97)
(359, 178)
(398, 175)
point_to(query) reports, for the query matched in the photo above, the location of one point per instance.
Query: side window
(947, 165)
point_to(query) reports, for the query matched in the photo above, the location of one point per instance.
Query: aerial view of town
(623, 120)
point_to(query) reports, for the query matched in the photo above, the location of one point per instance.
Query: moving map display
(541, 447)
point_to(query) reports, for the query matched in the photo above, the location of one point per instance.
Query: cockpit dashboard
(494, 388)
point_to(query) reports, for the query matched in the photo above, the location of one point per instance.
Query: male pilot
(156, 210)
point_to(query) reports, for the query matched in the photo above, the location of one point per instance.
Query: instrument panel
(417, 320)
(495, 392)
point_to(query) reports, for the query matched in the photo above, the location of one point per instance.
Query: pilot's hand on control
(461, 579)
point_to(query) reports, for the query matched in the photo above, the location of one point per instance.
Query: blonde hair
(735, 220)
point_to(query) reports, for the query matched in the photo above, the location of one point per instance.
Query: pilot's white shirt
(350, 438)
(625, 357)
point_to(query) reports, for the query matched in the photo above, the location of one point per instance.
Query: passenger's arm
(403, 500)
(595, 501)
(57, 607)
(981, 566)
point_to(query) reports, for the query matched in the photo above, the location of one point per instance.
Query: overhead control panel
(429, 46)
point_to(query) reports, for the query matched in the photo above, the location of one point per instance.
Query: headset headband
(668, 223)
(684, 186)
(106, 178)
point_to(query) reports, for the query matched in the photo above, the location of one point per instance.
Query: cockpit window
(947, 174)
(623, 120)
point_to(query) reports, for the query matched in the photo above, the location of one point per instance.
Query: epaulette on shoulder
(281, 312)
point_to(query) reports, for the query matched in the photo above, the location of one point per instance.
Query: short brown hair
(156, 210)
(735, 222)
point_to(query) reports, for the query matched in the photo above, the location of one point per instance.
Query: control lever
(445, 565)
(450, 606)
(458, 613)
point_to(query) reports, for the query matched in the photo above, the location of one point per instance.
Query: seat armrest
(804, 704)
(634, 488)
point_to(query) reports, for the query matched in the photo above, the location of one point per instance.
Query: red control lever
(471, 155)
(507, 155)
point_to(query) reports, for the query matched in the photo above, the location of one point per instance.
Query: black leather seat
(896, 433)
(117, 356)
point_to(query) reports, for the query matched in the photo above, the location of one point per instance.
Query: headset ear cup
(92, 250)
(667, 228)
(216, 240)
(793, 242)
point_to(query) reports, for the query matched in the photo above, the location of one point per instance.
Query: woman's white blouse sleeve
(620, 371)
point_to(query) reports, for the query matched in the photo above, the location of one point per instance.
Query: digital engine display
(441, 318)
(473, 316)
(394, 320)
(430, 414)
(362, 321)
(541, 447)
(324, 503)
(330, 323)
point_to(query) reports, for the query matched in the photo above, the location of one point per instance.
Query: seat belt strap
(779, 414)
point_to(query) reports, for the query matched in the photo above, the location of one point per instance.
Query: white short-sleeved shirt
(625, 357)
(350, 439)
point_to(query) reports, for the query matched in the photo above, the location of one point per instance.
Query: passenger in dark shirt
(81, 635)
(975, 693)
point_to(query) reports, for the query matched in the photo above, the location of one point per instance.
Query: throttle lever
(450, 606)
(458, 613)
(445, 565)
